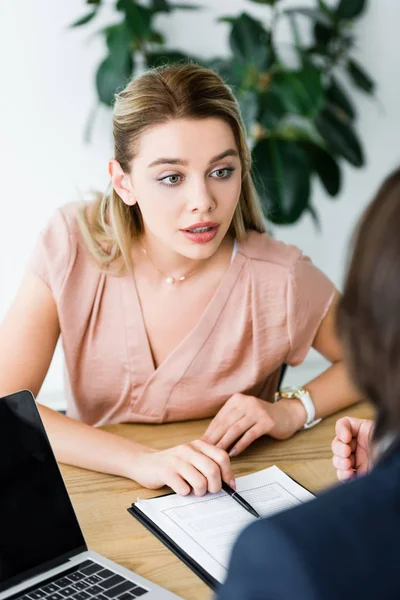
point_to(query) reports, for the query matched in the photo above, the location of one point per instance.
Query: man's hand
(351, 447)
(243, 419)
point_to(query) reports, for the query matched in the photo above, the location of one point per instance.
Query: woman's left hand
(243, 419)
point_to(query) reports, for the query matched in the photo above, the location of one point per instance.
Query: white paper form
(206, 527)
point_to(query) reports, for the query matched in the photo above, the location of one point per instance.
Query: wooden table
(101, 501)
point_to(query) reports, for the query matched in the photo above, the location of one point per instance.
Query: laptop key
(63, 582)
(94, 590)
(126, 586)
(80, 585)
(77, 576)
(92, 579)
(139, 592)
(114, 580)
(67, 592)
(90, 569)
(37, 594)
(82, 596)
(55, 596)
(105, 573)
(126, 596)
(50, 588)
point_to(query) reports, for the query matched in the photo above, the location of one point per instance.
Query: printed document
(206, 527)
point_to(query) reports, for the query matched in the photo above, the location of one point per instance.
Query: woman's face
(186, 179)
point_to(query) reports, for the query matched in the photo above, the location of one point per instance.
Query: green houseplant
(299, 118)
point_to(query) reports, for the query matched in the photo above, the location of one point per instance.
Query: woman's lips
(206, 234)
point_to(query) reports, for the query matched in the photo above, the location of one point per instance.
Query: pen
(233, 494)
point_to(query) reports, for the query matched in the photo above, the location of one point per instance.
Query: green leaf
(323, 35)
(119, 44)
(271, 109)
(336, 95)
(312, 13)
(359, 77)
(160, 6)
(167, 57)
(229, 20)
(98, 2)
(301, 91)
(340, 137)
(137, 17)
(156, 37)
(250, 42)
(283, 174)
(350, 9)
(297, 129)
(326, 167)
(248, 103)
(109, 79)
(85, 19)
(231, 71)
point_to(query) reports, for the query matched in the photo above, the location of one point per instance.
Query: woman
(171, 300)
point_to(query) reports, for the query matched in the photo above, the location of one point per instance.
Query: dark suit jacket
(343, 545)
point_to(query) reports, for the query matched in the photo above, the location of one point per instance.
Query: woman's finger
(220, 457)
(197, 481)
(235, 431)
(248, 438)
(216, 430)
(176, 483)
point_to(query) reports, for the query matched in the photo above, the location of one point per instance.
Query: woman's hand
(195, 466)
(243, 419)
(351, 447)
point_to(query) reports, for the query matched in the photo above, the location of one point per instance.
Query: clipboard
(171, 545)
(174, 547)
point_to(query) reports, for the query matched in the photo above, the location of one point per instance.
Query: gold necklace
(168, 278)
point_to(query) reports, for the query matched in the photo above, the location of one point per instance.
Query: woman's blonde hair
(183, 91)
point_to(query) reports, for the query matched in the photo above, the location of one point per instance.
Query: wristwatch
(305, 398)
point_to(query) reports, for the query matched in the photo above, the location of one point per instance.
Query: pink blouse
(265, 312)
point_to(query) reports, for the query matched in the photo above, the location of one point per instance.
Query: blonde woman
(171, 300)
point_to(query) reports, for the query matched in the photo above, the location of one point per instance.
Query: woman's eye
(170, 180)
(222, 173)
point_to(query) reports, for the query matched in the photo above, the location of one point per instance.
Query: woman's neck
(169, 263)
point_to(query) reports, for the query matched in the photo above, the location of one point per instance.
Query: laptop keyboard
(84, 582)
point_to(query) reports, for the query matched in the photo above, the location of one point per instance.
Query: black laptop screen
(37, 522)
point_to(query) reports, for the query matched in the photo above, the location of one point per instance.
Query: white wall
(47, 92)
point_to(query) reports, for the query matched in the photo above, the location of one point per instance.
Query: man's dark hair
(369, 312)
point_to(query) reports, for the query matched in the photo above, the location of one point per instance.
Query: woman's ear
(121, 182)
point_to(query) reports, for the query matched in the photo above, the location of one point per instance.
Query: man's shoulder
(357, 503)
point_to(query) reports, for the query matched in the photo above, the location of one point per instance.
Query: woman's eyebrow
(182, 162)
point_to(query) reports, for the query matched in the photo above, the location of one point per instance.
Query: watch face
(291, 389)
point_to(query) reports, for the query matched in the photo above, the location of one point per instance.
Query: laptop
(43, 554)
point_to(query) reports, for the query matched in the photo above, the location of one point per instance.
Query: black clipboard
(173, 546)
(177, 550)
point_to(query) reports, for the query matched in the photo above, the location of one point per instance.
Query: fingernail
(233, 484)
(232, 452)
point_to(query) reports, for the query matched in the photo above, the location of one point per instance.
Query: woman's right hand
(351, 447)
(195, 466)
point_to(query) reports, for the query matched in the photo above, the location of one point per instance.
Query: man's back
(342, 545)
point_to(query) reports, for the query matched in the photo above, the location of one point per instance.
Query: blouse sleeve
(52, 254)
(309, 297)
